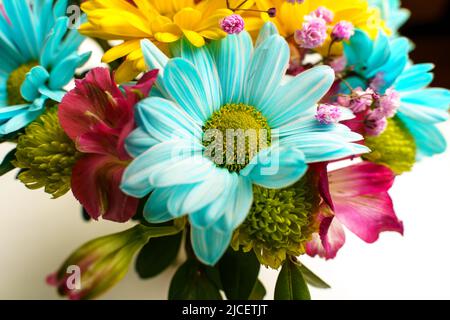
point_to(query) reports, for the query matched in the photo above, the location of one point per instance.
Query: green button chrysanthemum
(46, 155)
(394, 148)
(280, 222)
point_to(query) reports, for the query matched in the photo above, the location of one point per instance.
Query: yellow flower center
(234, 135)
(15, 81)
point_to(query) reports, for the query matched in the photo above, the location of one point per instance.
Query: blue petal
(297, 96)
(427, 105)
(276, 167)
(185, 87)
(268, 30)
(415, 77)
(19, 121)
(164, 120)
(239, 206)
(204, 63)
(155, 59)
(396, 64)
(34, 79)
(209, 244)
(138, 142)
(63, 72)
(136, 178)
(210, 214)
(155, 210)
(380, 54)
(429, 140)
(266, 69)
(232, 55)
(183, 171)
(12, 111)
(359, 49)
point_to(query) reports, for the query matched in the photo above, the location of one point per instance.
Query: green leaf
(290, 283)
(258, 292)
(6, 165)
(191, 282)
(157, 255)
(239, 273)
(312, 279)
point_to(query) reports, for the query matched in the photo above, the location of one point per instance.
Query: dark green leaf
(312, 279)
(157, 255)
(6, 165)
(258, 292)
(191, 282)
(238, 272)
(290, 283)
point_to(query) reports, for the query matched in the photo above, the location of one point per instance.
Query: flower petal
(209, 244)
(276, 167)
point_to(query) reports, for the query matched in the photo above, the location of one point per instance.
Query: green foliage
(290, 283)
(239, 274)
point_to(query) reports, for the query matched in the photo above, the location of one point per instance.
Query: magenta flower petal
(95, 183)
(328, 241)
(98, 116)
(361, 200)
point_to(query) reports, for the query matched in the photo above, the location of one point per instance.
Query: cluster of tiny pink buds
(338, 64)
(359, 101)
(343, 30)
(378, 81)
(313, 33)
(389, 103)
(375, 122)
(232, 24)
(323, 13)
(328, 114)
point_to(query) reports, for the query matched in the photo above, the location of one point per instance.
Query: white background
(38, 233)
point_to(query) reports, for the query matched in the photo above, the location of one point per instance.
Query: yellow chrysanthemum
(161, 21)
(290, 16)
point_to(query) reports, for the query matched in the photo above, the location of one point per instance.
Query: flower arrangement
(242, 133)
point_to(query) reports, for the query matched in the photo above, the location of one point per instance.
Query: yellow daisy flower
(161, 21)
(290, 17)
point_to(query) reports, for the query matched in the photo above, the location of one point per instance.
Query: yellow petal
(187, 18)
(121, 50)
(195, 38)
(126, 72)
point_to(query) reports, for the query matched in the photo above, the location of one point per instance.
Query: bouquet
(236, 133)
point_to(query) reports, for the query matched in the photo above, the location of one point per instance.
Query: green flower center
(15, 80)
(234, 135)
(394, 148)
(46, 155)
(280, 222)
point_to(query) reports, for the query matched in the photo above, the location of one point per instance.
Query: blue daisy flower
(226, 85)
(392, 12)
(38, 58)
(421, 107)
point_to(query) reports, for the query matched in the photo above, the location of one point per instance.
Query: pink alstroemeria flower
(355, 197)
(97, 115)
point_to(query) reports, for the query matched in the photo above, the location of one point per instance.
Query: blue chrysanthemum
(226, 85)
(421, 107)
(38, 58)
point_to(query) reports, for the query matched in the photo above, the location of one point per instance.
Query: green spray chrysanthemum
(280, 222)
(46, 155)
(394, 148)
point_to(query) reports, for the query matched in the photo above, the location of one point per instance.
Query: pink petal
(328, 241)
(360, 179)
(142, 89)
(361, 200)
(368, 215)
(95, 183)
